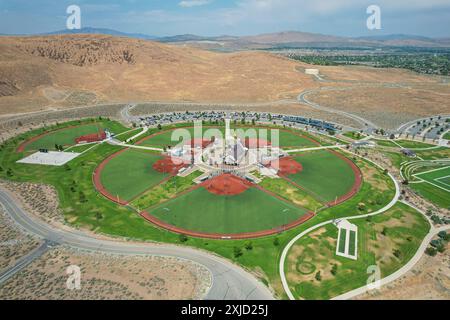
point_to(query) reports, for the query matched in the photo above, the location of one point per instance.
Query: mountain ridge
(268, 40)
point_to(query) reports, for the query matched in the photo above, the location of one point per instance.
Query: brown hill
(39, 73)
(293, 37)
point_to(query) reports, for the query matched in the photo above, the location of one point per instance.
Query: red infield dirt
(167, 165)
(286, 165)
(226, 184)
(256, 143)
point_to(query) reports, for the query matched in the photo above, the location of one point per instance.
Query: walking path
(315, 148)
(403, 270)
(302, 234)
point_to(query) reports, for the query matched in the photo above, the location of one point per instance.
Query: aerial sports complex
(208, 180)
(221, 174)
(285, 199)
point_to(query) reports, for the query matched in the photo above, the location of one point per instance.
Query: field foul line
(437, 179)
(437, 186)
(429, 171)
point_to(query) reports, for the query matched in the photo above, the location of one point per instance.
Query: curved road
(367, 125)
(228, 280)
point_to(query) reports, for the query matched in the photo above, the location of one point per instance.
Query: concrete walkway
(315, 148)
(302, 234)
(132, 146)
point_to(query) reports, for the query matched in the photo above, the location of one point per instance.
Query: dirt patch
(226, 184)
(14, 243)
(38, 199)
(108, 277)
(168, 165)
(387, 106)
(286, 166)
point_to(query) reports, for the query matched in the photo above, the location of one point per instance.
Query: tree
(82, 197)
(248, 245)
(276, 242)
(443, 235)
(237, 252)
(159, 126)
(361, 206)
(183, 238)
(431, 251)
(9, 172)
(334, 269)
(318, 276)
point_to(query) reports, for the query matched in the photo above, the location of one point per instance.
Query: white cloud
(193, 3)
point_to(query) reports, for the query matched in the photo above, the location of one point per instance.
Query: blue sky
(233, 17)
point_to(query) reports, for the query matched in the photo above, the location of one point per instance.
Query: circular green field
(66, 136)
(272, 205)
(287, 138)
(130, 173)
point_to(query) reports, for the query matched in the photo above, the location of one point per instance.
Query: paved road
(229, 280)
(366, 124)
(26, 260)
(315, 148)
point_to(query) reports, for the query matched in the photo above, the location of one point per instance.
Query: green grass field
(436, 186)
(131, 173)
(342, 238)
(447, 136)
(324, 174)
(292, 193)
(405, 229)
(203, 211)
(286, 138)
(408, 144)
(66, 137)
(386, 143)
(437, 177)
(354, 135)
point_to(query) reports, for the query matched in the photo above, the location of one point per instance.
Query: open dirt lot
(108, 277)
(362, 74)
(429, 280)
(388, 107)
